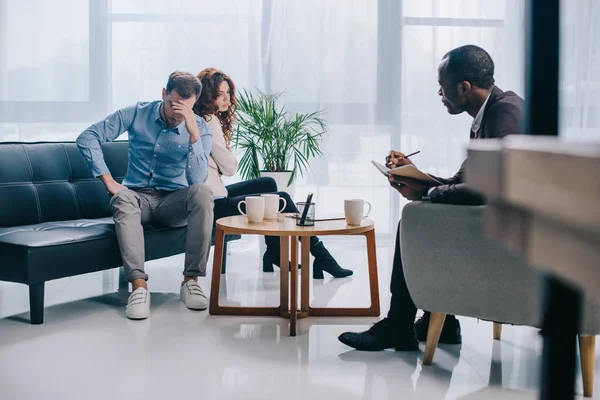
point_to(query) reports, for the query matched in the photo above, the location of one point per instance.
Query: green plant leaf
(273, 139)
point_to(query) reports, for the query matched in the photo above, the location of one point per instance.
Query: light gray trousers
(191, 206)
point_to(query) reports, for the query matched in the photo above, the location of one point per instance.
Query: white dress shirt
(479, 117)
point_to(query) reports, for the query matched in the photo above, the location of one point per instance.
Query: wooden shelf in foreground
(544, 202)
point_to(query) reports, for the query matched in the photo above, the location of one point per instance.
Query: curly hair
(211, 78)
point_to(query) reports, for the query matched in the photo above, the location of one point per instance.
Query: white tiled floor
(87, 349)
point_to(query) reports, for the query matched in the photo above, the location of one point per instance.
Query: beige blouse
(221, 161)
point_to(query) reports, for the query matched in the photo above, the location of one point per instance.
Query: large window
(370, 64)
(374, 77)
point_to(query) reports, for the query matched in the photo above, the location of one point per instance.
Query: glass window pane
(426, 124)
(579, 80)
(32, 132)
(145, 53)
(481, 9)
(306, 38)
(345, 169)
(180, 6)
(53, 66)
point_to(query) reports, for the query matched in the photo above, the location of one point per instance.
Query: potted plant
(274, 142)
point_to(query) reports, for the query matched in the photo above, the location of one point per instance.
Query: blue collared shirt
(159, 157)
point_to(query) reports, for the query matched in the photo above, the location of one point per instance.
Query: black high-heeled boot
(272, 254)
(325, 261)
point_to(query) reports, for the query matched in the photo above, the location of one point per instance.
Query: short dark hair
(472, 64)
(185, 84)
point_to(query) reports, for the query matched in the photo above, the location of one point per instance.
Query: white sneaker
(138, 305)
(192, 295)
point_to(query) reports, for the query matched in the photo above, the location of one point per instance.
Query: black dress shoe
(380, 337)
(450, 332)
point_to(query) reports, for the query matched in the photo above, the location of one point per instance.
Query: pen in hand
(410, 155)
(393, 159)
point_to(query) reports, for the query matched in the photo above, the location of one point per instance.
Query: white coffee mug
(272, 205)
(255, 208)
(353, 210)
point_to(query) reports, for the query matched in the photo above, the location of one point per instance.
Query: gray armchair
(446, 252)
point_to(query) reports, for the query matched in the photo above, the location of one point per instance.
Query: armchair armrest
(452, 267)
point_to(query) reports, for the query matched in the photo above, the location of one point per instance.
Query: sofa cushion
(51, 250)
(63, 232)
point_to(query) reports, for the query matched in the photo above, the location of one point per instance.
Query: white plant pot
(282, 179)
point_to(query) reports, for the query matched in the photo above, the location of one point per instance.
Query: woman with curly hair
(217, 105)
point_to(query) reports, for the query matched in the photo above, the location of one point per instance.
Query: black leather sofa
(55, 219)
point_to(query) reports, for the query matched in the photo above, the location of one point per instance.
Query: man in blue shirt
(169, 147)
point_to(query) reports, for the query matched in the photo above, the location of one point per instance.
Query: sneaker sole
(137, 318)
(201, 308)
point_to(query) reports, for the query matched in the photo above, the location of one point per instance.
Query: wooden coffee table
(289, 233)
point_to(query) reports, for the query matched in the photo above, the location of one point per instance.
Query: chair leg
(224, 262)
(497, 331)
(36, 303)
(436, 323)
(373, 278)
(587, 354)
(123, 282)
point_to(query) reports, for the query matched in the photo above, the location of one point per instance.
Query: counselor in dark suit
(466, 78)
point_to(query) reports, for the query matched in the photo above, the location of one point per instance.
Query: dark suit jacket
(503, 115)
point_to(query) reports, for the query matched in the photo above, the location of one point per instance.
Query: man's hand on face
(182, 110)
(396, 159)
(409, 188)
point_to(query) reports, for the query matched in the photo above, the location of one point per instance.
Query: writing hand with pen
(410, 189)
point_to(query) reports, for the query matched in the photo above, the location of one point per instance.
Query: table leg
(284, 285)
(373, 278)
(216, 271)
(374, 309)
(305, 276)
(214, 307)
(560, 326)
(294, 286)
